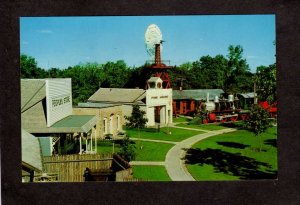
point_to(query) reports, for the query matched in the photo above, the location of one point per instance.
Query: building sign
(60, 101)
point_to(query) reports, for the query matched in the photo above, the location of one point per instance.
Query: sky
(68, 41)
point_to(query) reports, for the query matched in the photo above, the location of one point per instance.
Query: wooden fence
(124, 175)
(70, 168)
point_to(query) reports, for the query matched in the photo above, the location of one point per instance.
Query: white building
(155, 101)
(158, 103)
(46, 112)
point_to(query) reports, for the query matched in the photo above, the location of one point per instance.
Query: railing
(166, 62)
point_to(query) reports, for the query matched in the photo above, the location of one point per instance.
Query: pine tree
(136, 120)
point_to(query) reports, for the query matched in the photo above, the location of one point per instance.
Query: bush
(258, 120)
(128, 149)
(136, 120)
(196, 121)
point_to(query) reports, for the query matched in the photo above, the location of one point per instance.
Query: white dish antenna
(153, 36)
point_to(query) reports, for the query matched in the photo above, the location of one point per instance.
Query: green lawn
(209, 127)
(180, 119)
(107, 147)
(234, 156)
(150, 173)
(152, 151)
(177, 134)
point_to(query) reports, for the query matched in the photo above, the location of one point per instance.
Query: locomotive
(230, 109)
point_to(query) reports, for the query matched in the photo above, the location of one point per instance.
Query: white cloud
(25, 42)
(87, 57)
(45, 31)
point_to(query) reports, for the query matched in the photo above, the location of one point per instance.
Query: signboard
(58, 99)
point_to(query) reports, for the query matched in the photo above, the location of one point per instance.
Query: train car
(231, 108)
(270, 108)
(221, 109)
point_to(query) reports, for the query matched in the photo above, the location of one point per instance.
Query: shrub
(258, 120)
(196, 121)
(128, 149)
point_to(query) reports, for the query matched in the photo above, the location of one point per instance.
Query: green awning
(76, 123)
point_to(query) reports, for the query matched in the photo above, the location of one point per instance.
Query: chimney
(207, 97)
(157, 54)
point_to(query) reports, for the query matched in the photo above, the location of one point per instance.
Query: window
(152, 84)
(158, 85)
(118, 122)
(111, 124)
(105, 126)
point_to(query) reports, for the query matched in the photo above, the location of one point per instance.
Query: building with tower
(156, 101)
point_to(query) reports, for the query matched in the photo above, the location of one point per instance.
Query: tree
(140, 75)
(29, 69)
(86, 79)
(116, 74)
(54, 73)
(180, 76)
(214, 70)
(266, 83)
(258, 121)
(128, 150)
(136, 120)
(237, 74)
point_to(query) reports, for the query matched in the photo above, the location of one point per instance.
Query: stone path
(146, 163)
(188, 128)
(174, 159)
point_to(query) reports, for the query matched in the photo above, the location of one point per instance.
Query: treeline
(230, 73)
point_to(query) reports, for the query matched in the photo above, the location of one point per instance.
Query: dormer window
(159, 85)
(155, 83)
(151, 84)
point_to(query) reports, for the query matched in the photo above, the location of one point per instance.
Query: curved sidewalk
(174, 161)
(188, 128)
(147, 163)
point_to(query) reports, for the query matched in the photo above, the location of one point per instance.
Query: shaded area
(230, 163)
(233, 145)
(272, 142)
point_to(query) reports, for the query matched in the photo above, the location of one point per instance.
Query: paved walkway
(174, 159)
(188, 128)
(146, 163)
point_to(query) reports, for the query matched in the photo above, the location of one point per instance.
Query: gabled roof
(97, 105)
(31, 152)
(247, 95)
(154, 79)
(32, 92)
(34, 118)
(117, 95)
(75, 123)
(198, 94)
(34, 121)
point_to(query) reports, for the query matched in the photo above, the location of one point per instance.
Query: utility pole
(255, 99)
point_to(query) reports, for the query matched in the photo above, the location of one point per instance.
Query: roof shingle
(31, 152)
(32, 92)
(117, 95)
(199, 94)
